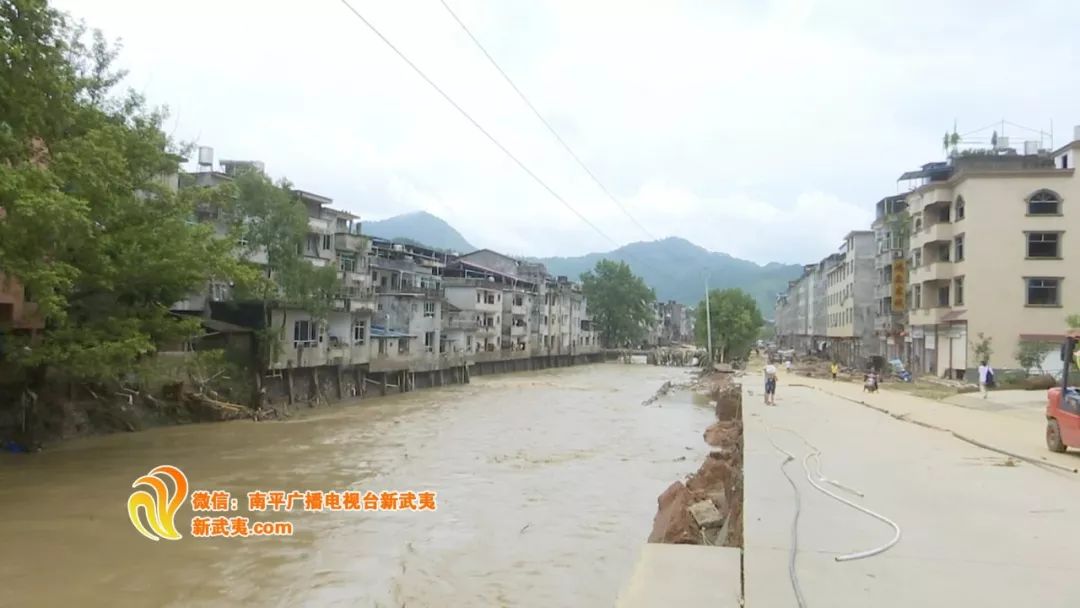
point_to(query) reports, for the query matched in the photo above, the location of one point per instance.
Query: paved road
(978, 529)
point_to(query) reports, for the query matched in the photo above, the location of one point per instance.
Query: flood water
(546, 487)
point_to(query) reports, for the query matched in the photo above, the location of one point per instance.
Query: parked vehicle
(899, 371)
(1063, 403)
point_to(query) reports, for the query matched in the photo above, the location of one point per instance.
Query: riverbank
(30, 422)
(706, 509)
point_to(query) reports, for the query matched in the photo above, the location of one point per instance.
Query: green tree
(91, 226)
(1031, 354)
(735, 321)
(272, 226)
(620, 303)
(983, 348)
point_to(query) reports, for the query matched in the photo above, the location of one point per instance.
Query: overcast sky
(766, 130)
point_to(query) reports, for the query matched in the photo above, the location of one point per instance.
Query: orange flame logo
(159, 508)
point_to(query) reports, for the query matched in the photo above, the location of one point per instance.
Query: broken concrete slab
(706, 514)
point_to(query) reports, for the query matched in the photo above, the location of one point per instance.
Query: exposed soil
(684, 514)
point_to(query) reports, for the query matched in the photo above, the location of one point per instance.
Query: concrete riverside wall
(329, 384)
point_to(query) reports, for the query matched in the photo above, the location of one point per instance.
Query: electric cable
(543, 120)
(474, 122)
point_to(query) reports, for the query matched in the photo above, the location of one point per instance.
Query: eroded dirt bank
(706, 508)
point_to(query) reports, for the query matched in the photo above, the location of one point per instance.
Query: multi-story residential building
(674, 325)
(343, 336)
(850, 299)
(891, 227)
(991, 257)
(476, 284)
(409, 301)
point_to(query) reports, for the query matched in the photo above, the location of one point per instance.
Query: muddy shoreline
(706, 508)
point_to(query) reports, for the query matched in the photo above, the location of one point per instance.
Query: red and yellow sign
(899, 285)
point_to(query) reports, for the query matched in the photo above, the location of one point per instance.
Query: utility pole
(708, 318)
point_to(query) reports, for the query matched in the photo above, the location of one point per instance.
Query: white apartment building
(850, 300)
(993, 257)
(409, 300)
(343, 337)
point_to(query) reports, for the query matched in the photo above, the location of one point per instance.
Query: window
(958, 245)
(958, 291)
(943, 296)
(403, 346)
(359, 332)
(382, 346)
(429, 309)
(916, 257)
(1043, 292)
(916, 297)
(305, 334)
(327, 241)
(347, 262)
(1044, 202)
(959, 208)
(429, 340)
(1044, 244)
(478, 296)
(943, 253)
(918, 223)
(312, 244)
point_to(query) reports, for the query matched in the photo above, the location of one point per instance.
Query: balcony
(928, 316)
(937, 271)
(518, 330)
(400, 264)
(427, 292)
(939, 232)
(351, 242)
(320, 225)
(462, 324)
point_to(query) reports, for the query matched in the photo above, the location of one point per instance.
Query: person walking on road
(986, 378)
(834, 369)
(770, 384)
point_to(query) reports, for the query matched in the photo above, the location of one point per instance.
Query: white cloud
(766, 130)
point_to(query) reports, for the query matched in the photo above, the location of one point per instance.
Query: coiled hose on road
(815, 454)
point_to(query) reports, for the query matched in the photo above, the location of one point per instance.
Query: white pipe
(861, 554)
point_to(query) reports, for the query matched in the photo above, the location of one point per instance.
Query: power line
(539, 116)
(474, 123)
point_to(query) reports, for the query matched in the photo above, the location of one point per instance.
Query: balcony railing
(351, 242)
(928, 316)
(463, 324)
(430, 292)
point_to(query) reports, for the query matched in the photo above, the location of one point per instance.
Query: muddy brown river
(546, 487)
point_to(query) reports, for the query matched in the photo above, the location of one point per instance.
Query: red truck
(1063, 403)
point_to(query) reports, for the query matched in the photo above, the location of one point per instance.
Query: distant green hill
(677, 268)
(420, 227)
(674, 267)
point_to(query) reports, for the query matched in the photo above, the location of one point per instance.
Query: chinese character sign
(899, 285)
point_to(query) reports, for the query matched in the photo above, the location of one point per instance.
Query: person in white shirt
(770, 384)
(986, 375)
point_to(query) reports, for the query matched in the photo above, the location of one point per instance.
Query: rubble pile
(707, 508)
